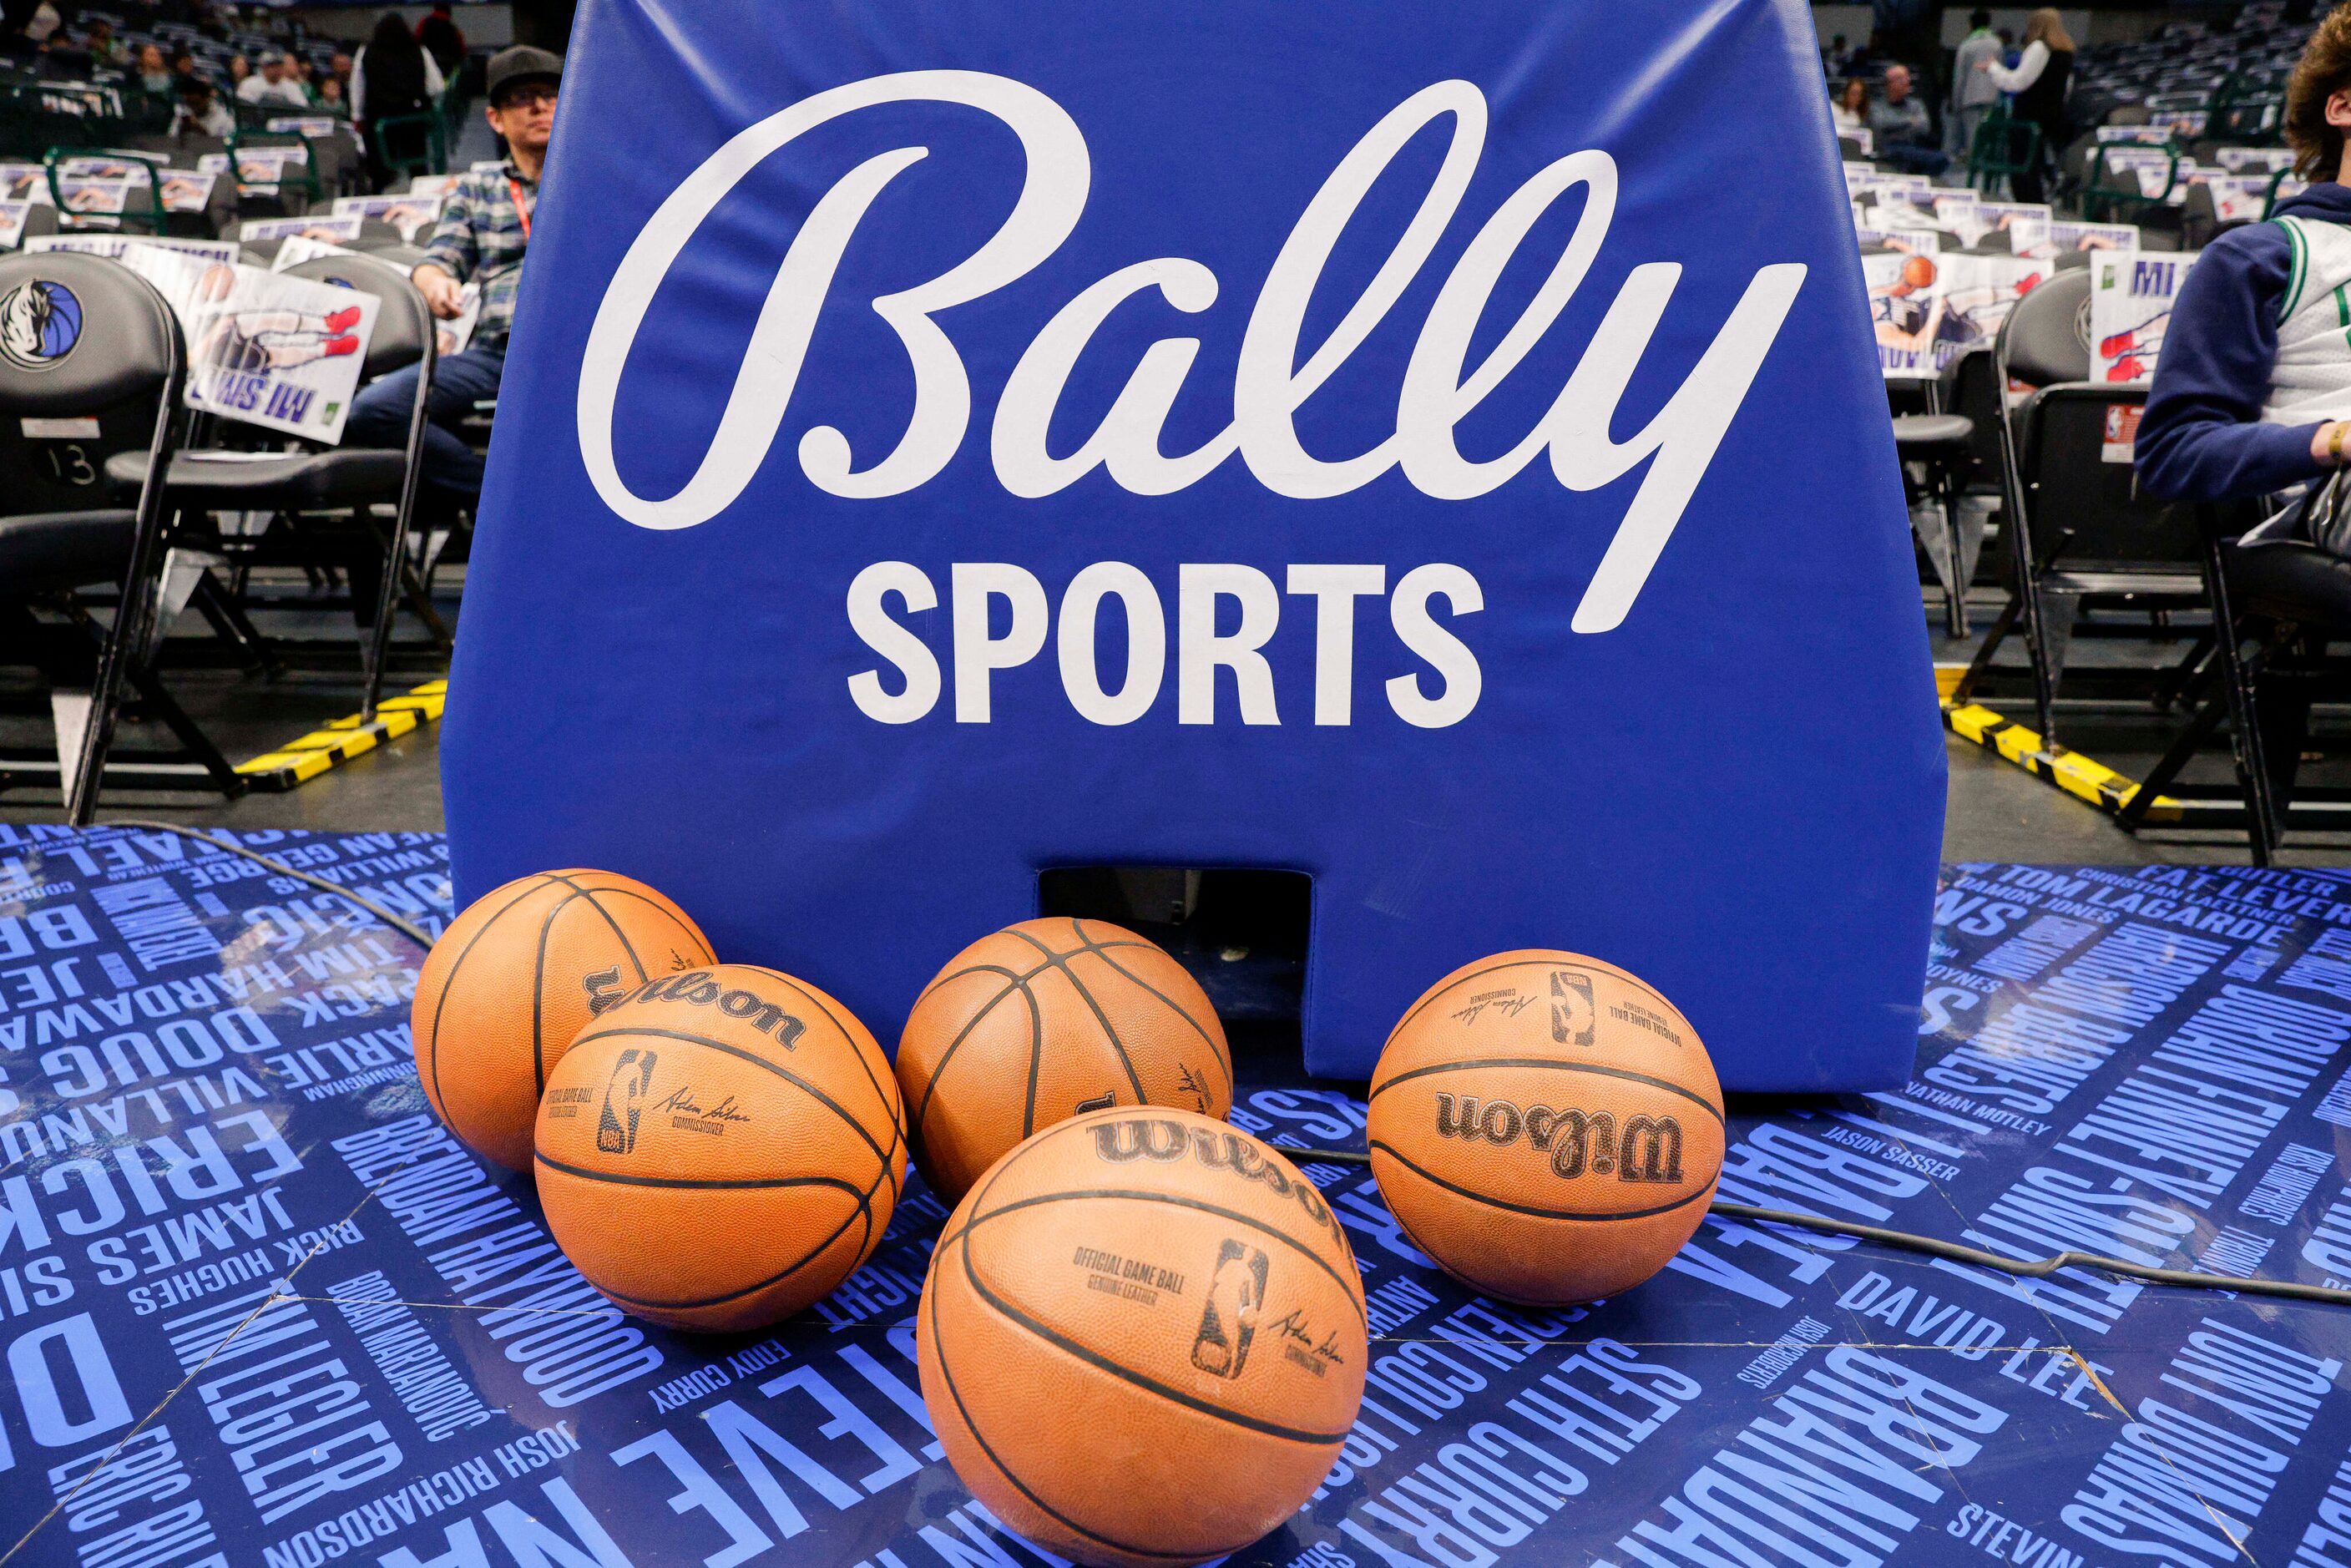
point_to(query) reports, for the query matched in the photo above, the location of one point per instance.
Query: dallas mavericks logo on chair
(40, 322)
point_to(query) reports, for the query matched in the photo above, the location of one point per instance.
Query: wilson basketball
(720, 1148)
(1142, 1338)
(515, 976)
(1546, 1127)
(1041, 1021)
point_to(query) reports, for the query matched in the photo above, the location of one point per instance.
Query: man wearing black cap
(483, 231)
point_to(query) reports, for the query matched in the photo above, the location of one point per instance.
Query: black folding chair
(2078, 529)
(316, 479)
(93, 353)
(2277, 600)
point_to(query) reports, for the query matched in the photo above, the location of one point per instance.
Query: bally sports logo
(1277, 375)
(1648, 1148)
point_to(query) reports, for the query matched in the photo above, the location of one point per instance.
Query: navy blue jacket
(2201, 439)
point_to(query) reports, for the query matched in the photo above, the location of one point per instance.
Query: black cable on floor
(414, 933)
(1934, 1247)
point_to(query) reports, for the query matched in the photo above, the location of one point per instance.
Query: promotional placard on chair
(1426, 450)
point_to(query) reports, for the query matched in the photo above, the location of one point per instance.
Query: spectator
(330, 97)
(100, 44)
(152, 75)
(443, 40)
(1850, 109)
(200, 112)
(484, 232)
(1839, 56)
(1972, 91)
(272, 86)
(2039, 81)
(2252, 391)
(338, 68)
(240, 70)
(1900, 129)
(392, 75)
(184, 64)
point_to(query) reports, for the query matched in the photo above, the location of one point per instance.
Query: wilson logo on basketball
(1645, 1149)
(1228, 1320)
(1135, 1138)
(631, 1076)
(696, 989)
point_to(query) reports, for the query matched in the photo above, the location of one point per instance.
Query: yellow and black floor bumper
(299, 761)
(2071, 771)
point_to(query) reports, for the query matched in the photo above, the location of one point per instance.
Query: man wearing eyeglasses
(484, 232)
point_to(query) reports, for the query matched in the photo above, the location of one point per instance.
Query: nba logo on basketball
(1228, 1321)
(617, 1134)
(1571, 1007)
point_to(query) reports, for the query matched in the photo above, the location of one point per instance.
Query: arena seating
(2174, 139)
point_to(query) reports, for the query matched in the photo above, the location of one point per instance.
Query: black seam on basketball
(864, 1209)
(1223, 1059)
(972, 1206)
(1052, 1336)
(1433, 1178)
(1173, 1200)
(630, 1178)
(916, 1116)
(626, 945)
(1532, 963)
(449, 981)
(829, 1104)
(1459, 1272)
(1036, 1057)
(1060, 961)
(887, 1099)
(1217, 1049)
(538, 988)
(1545, 1063)
(972, 1426)
(657, 902)
(941, 979)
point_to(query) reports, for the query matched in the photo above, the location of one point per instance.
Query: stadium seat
(2080, 529)
(333, 478)
(120, 360)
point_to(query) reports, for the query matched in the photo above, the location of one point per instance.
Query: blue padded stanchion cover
(1428, 449)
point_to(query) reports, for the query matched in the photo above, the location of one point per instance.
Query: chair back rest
(403, 328)
(1974, 391)
(2085, 507)
(89, 364)
(78, 333)
(2045, 339)
(376, 233)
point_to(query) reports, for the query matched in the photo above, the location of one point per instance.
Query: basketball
(1041, 1021)
(720, 1148)
(515, 976)
(1918, 272)
(1546, 1127)
(1142, 1338)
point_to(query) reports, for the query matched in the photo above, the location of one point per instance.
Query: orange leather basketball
(1546, 1127)
(720, 1149)
(1143, 1339)
(515, 976)
(1045, 1020)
